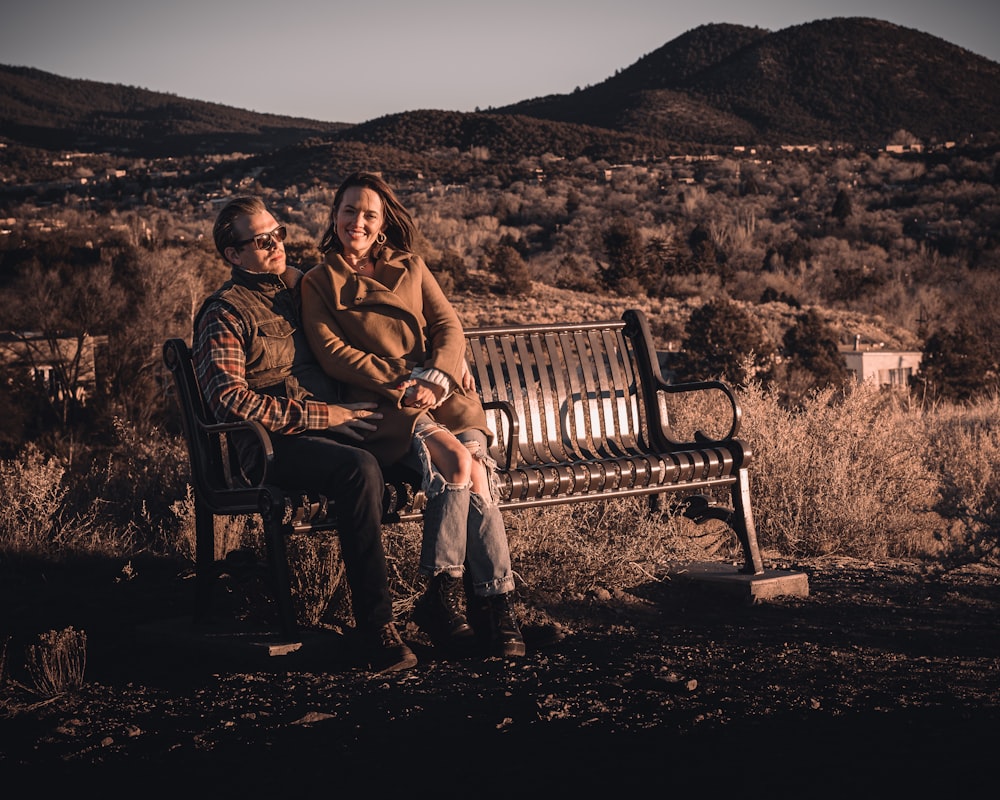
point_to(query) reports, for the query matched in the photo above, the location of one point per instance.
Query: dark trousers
(352, 480)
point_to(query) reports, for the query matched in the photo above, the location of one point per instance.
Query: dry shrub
(402, 555)
(963, 447)
(575, 548)
(841, 475)
(57, 661)
(116, 504)
(317, 574)
(231, 533)
(129, 495)
(33, 506)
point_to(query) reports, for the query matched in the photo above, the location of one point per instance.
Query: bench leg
(204, 564)
(281, 585)
(743, 524)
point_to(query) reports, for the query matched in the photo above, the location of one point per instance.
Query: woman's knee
(479, 477)
(451, 458)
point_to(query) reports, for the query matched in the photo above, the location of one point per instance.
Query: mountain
(854, 80)
(848, 79)
(507, 137)
(45, 110)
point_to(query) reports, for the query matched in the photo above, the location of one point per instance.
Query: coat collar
(352, 289)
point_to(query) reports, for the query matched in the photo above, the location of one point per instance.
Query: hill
(508, 137)
(846, 79)
(44, 110)
(855, 80)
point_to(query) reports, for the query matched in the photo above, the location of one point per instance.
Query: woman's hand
(468, 382)
(420, 393)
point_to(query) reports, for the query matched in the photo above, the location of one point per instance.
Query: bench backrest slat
(574, 390)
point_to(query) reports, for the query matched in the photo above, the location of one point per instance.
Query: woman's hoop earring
(380, 239)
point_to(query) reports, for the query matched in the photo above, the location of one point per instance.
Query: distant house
(31, 351)
(892, 368)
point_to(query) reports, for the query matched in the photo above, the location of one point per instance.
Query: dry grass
(963, 448)
(57, 661)
(873, 475)
(847, 475)
(34, 502)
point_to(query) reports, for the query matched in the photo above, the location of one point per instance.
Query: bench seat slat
(611, 475)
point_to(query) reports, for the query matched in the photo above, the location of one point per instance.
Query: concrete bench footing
(727, 579)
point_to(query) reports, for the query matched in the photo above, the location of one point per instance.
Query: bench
(580, 413)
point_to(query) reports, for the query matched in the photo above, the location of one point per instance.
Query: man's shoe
(385, 650)
(505, 635)
(439, 614)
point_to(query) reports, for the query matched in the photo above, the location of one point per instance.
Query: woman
(378, 322)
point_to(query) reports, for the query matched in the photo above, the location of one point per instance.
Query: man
(252, 362)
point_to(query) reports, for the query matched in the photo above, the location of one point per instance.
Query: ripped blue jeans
(462, 529)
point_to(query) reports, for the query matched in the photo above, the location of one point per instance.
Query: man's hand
(352, 419)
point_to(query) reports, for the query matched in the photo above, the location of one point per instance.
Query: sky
(340, 61)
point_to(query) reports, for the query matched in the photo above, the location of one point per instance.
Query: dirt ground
(884, 679)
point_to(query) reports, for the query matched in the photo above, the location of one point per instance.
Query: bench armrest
(661, 385)
(513, 429)
(637, 329)
(220, 429)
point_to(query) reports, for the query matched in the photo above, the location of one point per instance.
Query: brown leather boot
(505, 634)
(439, 613)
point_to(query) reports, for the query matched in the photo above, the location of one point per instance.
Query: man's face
(247, 254)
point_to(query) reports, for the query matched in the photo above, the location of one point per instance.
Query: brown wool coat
(370, 333)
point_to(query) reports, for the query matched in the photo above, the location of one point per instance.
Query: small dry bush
(115, 504)
(402, 555)
(128, 495)
(576, 548)
(843, 474)
(57, 661)
(963, 448)
(32, 507)
(317, 575)
(231, 533)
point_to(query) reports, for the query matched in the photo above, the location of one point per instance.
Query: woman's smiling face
(359, 220)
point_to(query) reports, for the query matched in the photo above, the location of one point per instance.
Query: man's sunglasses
(265, 241)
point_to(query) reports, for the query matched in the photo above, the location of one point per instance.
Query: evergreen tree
(627, 269)
(814, 358)
(719, 339)
(450, 271)
(515, 279)
(705, 256)
(955, 365)
(842, 207)
(664, 259)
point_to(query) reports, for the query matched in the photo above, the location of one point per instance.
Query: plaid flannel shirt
(219, 356)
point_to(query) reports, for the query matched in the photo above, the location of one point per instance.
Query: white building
(883, 367)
